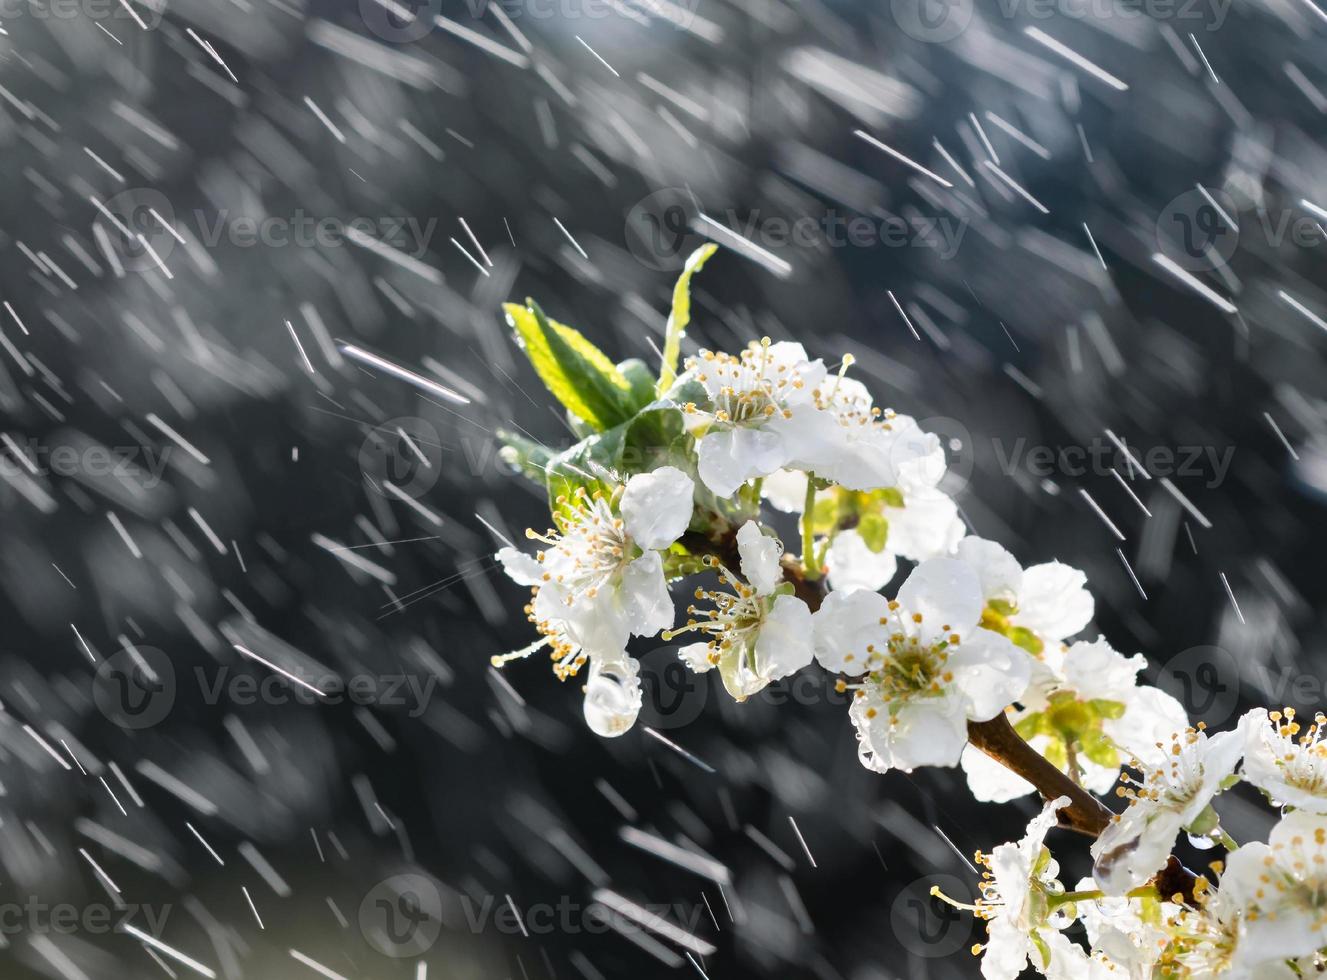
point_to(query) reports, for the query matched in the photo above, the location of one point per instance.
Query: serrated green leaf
(577, 373)
(680, 315)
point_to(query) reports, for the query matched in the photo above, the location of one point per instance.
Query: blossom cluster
(693, 475)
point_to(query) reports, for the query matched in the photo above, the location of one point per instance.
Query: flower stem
(810, 570)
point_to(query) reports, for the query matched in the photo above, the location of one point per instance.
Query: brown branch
(1085, 814)
(997, 738)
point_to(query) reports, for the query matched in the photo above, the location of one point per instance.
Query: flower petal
(521, 568)
(1055, 602)
(784, 645)
(991, 782)
(656, 506)
(852, 565)
(946, 593)
(785, 490)
(730, 457)
(990, 672)
(844, 625)
(760, 558)
(648, 605)
(1000, 573)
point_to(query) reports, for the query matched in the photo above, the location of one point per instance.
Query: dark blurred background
(203, 201)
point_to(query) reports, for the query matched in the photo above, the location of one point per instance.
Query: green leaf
(1099, 749)
(590, 465)
(641, 383)
(874, 530)
(680, 315)
(577, 373)
(526, 456)
(1025, 638)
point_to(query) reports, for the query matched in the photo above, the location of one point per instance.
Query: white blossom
(1286, 759)
(1019, 888)
(928, 668)
(1048, 601)
(601, 580)
(761, 411)
(757, 633)
(1171, 796)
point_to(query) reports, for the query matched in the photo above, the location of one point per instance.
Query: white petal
(760, 558)
(916, 456)
(1006, 952)
(852, 565)
(696, 656)
(990, 672)
(926, 526)
(645, 593)
(1098, 672)
(520, 567)
(991, 782)
(843, 627)
(947, 595)
(1055, 603)
(612, 697)
(730, 457)
(1151, 716)
(656, 506)
(925, 732)
(785, 490)
(784, 645)
(1134, 847)
(1000, 573)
